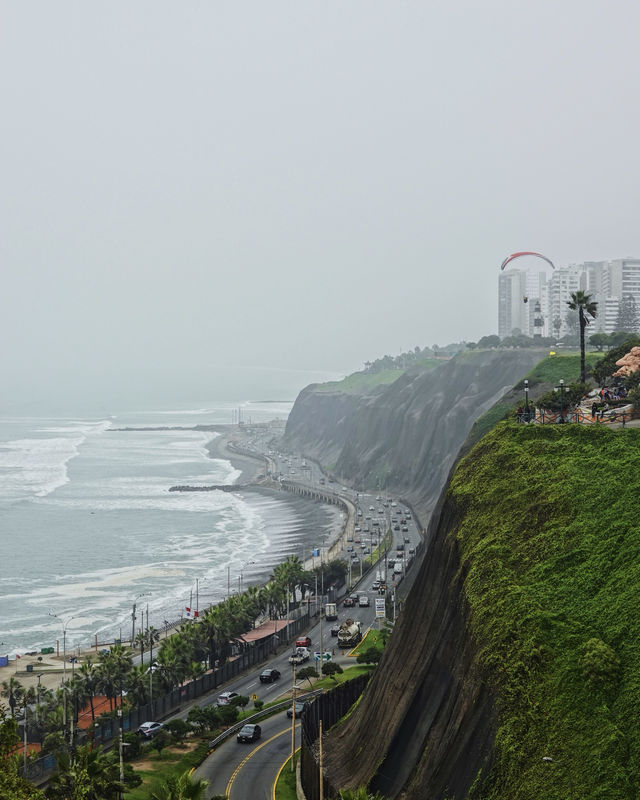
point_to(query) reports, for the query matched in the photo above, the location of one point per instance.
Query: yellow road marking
(251, 755)
(275, 783)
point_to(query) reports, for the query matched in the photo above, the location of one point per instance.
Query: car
(334, 630)
(412, 551)
(301, 707)
(348, 602)
(398, 511)
(249, 733)
(350, 548)
(406, 539)
(396, 527)
(269, 675)
(357, 529)
(405, 529)
(357, 541)
(149, 729)
(363, 601)
(303, 641)
(375, 586)
(391, 562)
(371, 508)
(349, 538)
(225, 698)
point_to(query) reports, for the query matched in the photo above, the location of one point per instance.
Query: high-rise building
(513, 313)
(546, 313)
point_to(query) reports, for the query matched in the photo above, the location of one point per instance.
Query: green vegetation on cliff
(547, 525)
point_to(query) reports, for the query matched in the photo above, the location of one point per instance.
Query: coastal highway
(243, 771)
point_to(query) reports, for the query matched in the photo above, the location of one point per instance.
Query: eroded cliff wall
(406, 437)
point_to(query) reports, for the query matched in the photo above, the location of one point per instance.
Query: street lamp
(64, 665)
(564, 391)
(133, 615)
(549, 760)
(526, 399)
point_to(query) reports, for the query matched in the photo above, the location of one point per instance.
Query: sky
(212, 199)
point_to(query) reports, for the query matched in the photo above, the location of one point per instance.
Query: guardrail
(263, 714)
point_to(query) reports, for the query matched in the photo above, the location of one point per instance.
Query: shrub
(178, 728)
(599, 664)
(369, 656)
(331, 669)
(134, 746)
(257, 704)
(241, 700)
(228, 714)
(160, 741)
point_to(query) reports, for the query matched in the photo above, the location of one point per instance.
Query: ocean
(88, 526)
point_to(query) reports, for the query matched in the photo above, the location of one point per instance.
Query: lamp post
(526, 399)
(564, 391)
(64, 666)
(133, 615)
(549, 760)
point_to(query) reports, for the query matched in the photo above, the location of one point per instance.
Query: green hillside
(547, 521)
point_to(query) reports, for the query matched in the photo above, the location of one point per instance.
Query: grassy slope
(550, 543)
(363, 382)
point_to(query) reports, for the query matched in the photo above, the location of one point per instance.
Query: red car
(348, 602)
(303, 641)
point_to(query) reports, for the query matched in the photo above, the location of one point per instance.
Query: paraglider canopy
(513, 256)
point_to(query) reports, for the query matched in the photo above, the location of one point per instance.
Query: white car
(225, 698)
(149, 729)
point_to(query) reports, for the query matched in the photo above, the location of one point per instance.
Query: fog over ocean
(87, 523)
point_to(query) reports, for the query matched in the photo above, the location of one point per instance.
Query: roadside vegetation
(547, 525)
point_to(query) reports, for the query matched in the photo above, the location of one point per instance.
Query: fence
(545, 417)
(329, 708)
(104, 731)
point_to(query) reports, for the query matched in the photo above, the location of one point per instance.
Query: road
(249, 770)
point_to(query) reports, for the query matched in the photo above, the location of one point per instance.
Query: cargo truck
(331, 611)
(349, 633)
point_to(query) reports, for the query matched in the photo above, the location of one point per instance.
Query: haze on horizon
(197, 193)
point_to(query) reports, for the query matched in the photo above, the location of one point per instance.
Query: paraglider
(513, 256)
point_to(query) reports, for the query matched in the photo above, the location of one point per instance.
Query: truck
(300, 655)
(330, 611)
(363, 600)
(349, 633)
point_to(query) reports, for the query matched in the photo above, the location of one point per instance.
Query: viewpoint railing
(601, 417)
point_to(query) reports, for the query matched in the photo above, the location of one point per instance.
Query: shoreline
(314, 516)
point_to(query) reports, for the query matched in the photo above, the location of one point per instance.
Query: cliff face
(406, 437)
(426, 725)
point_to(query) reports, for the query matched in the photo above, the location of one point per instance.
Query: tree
(85, 774)
(488, 342)
(308, 673)
(13, 690)
(599, 340)
(369, 656)
(628, 319)
(180, 787)
(160, 741)
(586, 307)
(178, 728)
(331, 669)
(12, 786)
(89, 676)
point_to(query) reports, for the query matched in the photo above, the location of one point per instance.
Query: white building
(513, 312)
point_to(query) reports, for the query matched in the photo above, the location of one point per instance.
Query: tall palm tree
(585, 306)
(89, 676)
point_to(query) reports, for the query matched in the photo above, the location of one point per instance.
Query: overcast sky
(191, 191)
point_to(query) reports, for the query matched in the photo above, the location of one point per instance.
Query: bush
(257, 704)
(331, 669)
(178, 729)
(160, 741)
(241, 700)
(599, 664)
(308, 673)
(134, 746)
(228, 714)
(369, 656)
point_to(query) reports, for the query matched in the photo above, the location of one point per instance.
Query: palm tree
(584, 305)
(141, 641)
(13, 690)
(87, 773)
(181, 787)
(89, 677)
